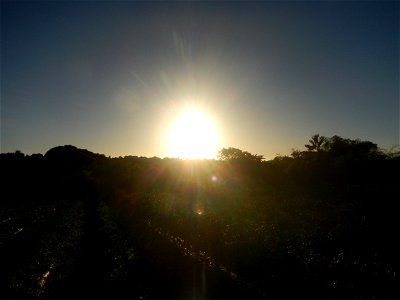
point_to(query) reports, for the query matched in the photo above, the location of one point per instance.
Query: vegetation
(234, 154)
(320, 224)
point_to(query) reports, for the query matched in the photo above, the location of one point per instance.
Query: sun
(193, 136)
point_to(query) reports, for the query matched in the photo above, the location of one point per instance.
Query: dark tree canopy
(316, 143)
(234, 154)
(338, 147)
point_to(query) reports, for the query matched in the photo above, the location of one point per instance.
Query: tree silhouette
(234, 154)
(316, 143)
(337, 146)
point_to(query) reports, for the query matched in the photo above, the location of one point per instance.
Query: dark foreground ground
(70, 251)
(76, 225)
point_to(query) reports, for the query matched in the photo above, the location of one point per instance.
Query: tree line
(321, 221)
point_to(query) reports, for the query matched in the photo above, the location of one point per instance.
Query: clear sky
(112, 76)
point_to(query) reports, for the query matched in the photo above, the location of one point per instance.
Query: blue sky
(111, 76)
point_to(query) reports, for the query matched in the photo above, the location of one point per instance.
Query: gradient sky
(111, 76)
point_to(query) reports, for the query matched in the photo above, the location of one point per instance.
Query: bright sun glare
(193, 136)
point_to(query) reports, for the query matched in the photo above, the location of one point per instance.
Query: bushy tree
(337, 146)
(234, 154)
(316, 143)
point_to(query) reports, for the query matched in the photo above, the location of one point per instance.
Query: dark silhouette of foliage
(316, 143)
(337, 146)
(234, 154)
(317, 224)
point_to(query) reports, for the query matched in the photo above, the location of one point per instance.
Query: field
(78, 224)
